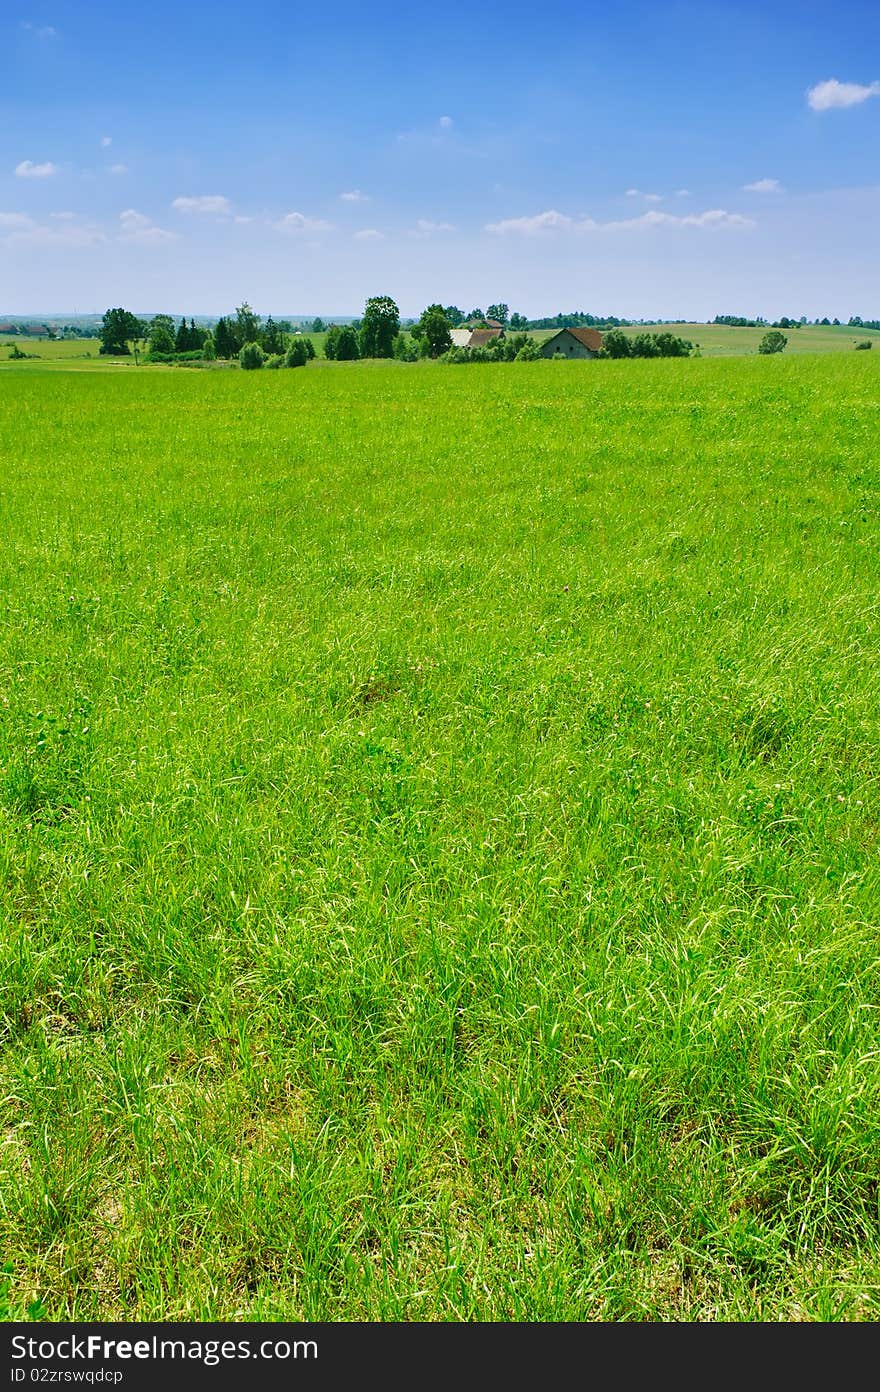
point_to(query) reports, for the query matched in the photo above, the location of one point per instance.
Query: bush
(251, 356)
(669, 346)
(275, 360)
(407, 349)
(209, 352)
(297, 354)
(772, 342)
(175, 359)
(529, 352)
(865, 343)
(615, 345)
(310, 348)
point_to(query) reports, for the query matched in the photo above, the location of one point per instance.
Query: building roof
(460, 337)
(590, 338)
(480, 337)
(494, 324)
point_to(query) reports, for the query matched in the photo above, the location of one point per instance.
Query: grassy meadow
(439, 818)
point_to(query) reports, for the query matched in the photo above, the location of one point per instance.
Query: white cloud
(553, 221)
(648, 197)
(426, 228)
(41, 31)
(714, 218)
(832, 93)
(205, 203)
(682, 193)
(14, 220)
(106, 140)
(446, 122)
(119, 169)
(632, 193)
(354, 196)
(298, 222)
(137, 227)
(240, 218)
(28, 170)
(368, 234)
(63, 216)
(763, 186)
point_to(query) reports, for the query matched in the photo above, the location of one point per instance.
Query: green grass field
(439, 820)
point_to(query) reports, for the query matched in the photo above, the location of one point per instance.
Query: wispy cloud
(204, 203)
(28, 170)
(41, 31)
(712, 219)
(118, 169)
(106, 141)
(763, 186)
(369, 234)
(137, 227)
(426, 228)
(682, 193)
(354, 196)
(831, 93)
(648, 197)
(64, 230)
(298, 222)
(553, 221)
(446, 122)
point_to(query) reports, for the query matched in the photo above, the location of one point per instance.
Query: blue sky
(645, 159)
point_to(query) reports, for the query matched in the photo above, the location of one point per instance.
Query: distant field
(68, 350)
(723, 341)
(439, 818)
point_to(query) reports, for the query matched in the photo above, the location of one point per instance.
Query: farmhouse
(573, 343)
(474, 338)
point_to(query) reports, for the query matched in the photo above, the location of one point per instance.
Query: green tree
(120, 329)
(272, 338)
(318, 326)
(772, 342)
(433, 330)
(251, 356)
(454, 315)
(331, 342)
(224, 340)
(518, 321)
(160, 334)
(379, 327)
(529, 352)
(499, 312)
(406, 348)
(209, 352)
(347, 347)
(247, 326)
